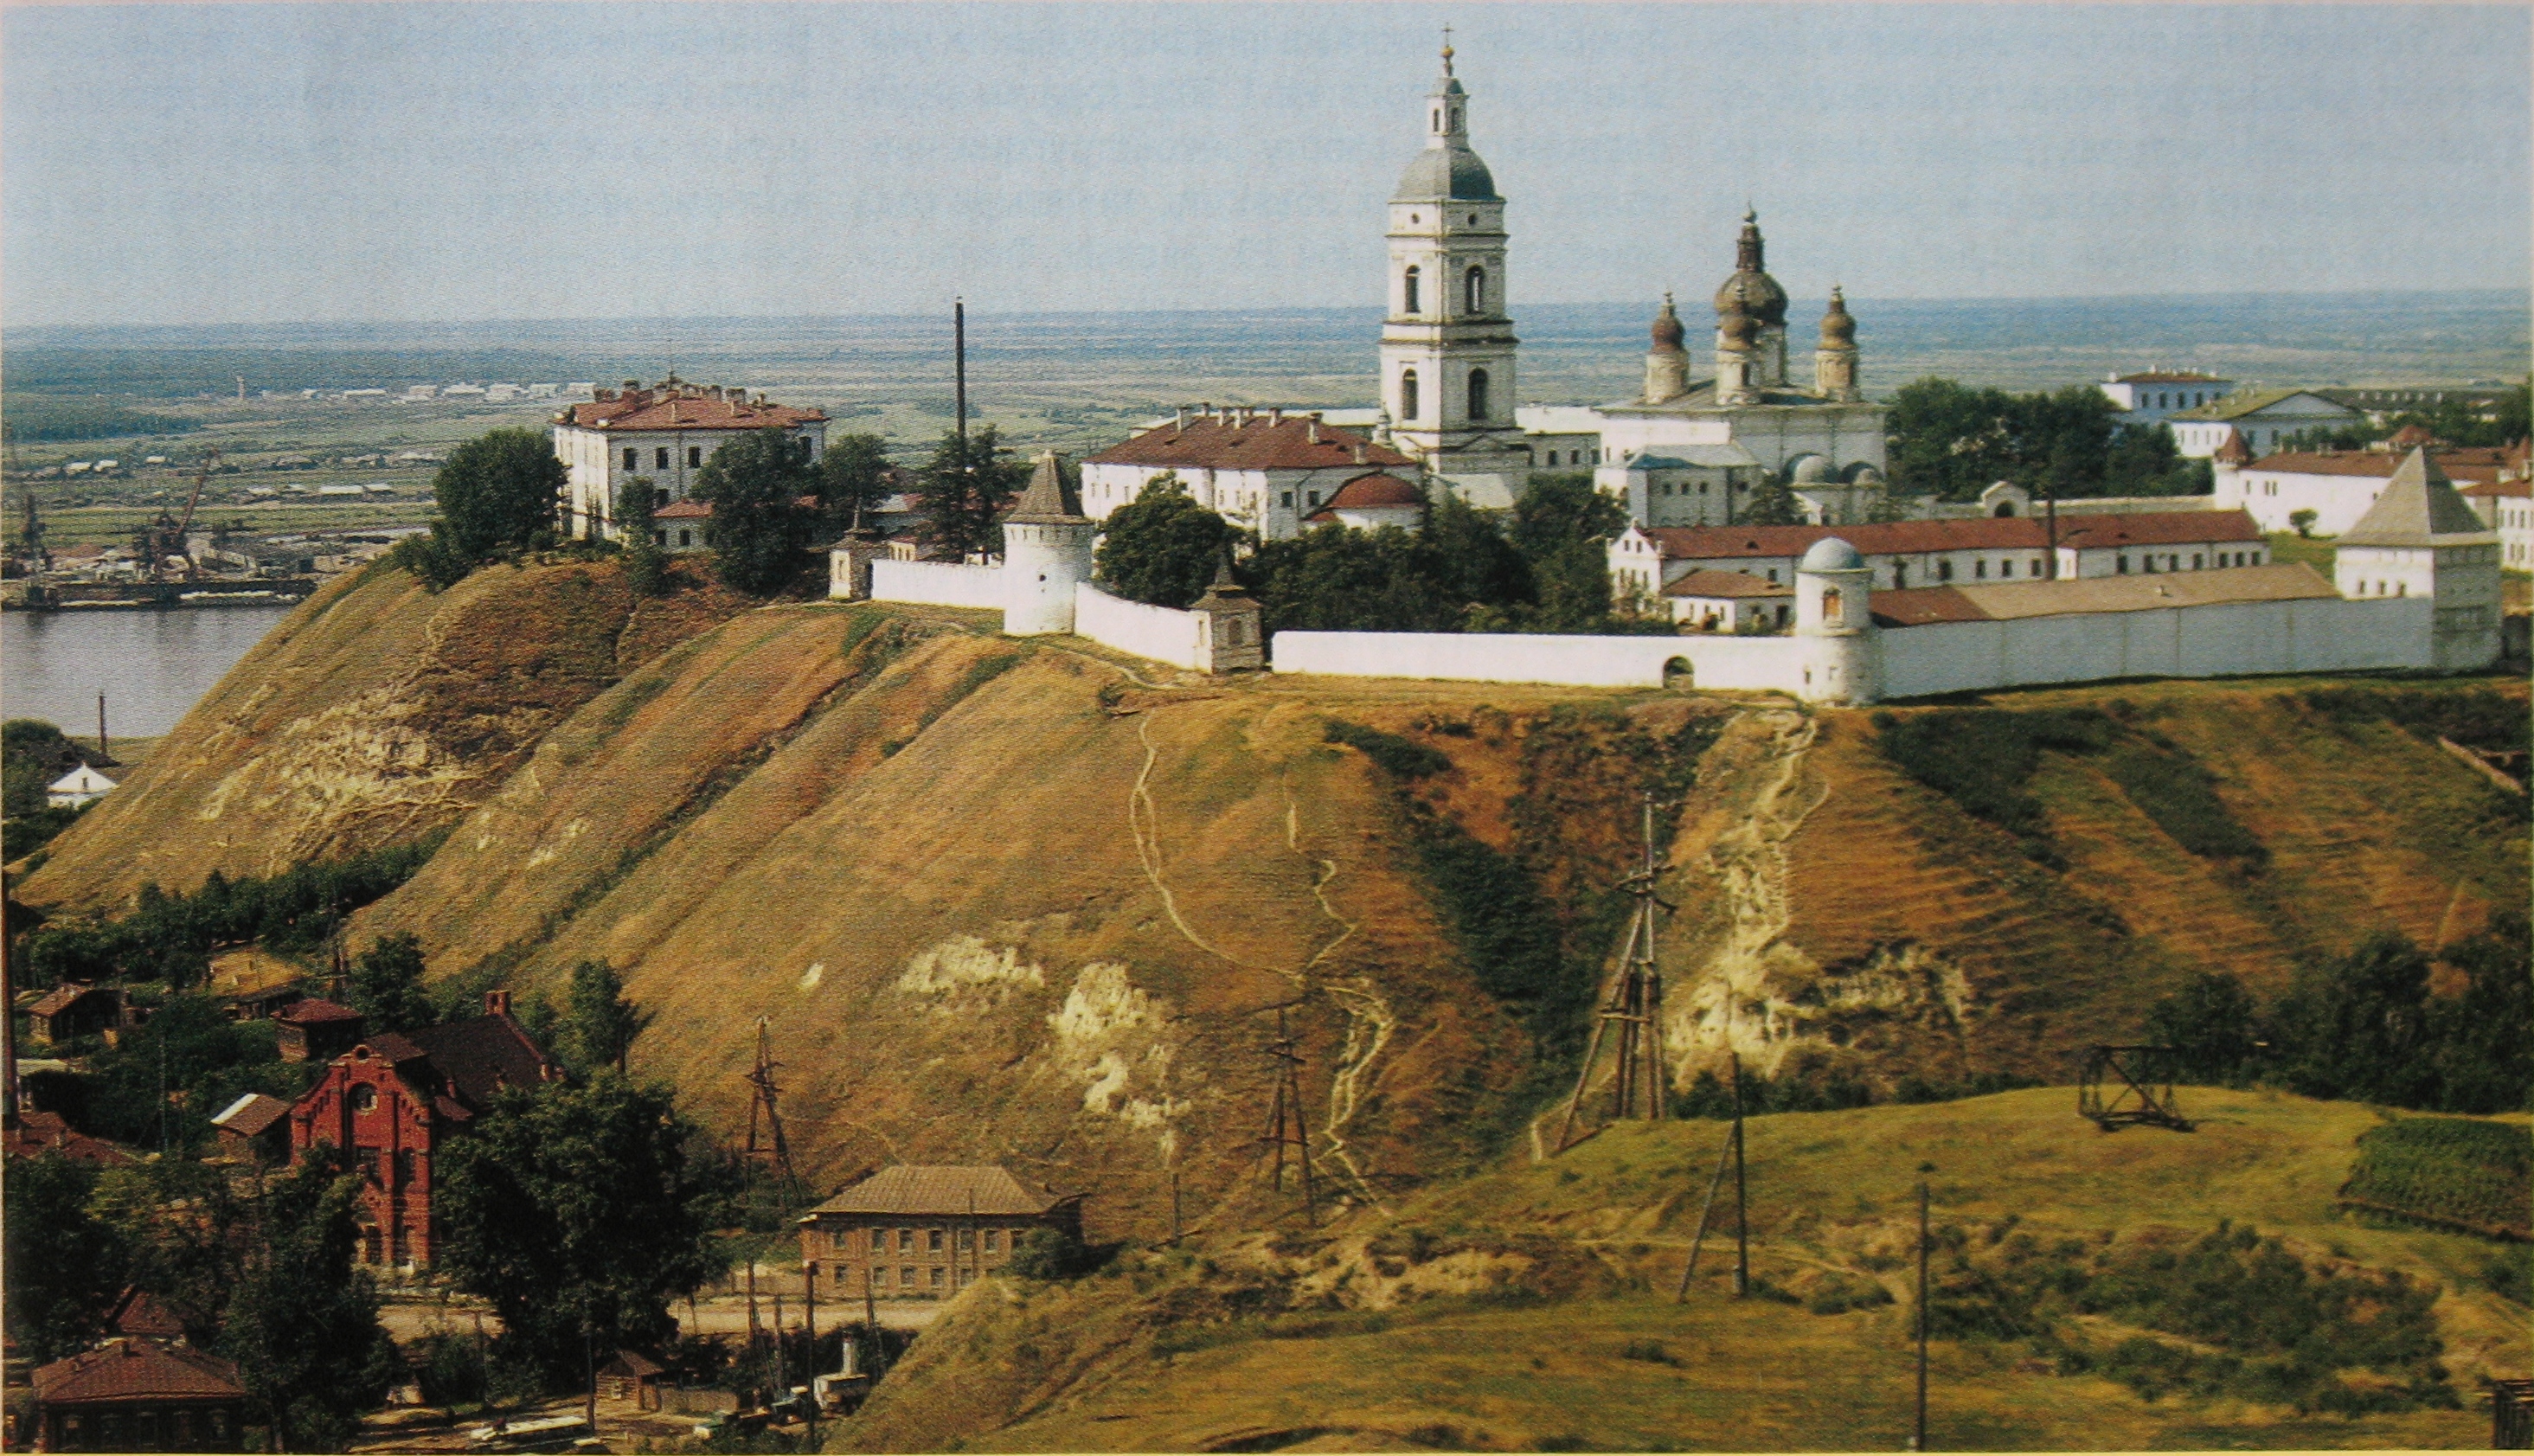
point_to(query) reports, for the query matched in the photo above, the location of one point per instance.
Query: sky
(170, 164)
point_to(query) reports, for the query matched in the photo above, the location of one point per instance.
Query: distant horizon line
(33, 335)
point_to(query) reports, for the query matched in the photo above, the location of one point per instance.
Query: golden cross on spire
(1447, 50)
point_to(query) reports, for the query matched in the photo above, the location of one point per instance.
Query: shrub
(2181, 797)
(1052, 1254)
(2453, 1172)
(1393, 755)
(1982, 758)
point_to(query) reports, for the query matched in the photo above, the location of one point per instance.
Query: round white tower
(1046, 552)
(1833, 625)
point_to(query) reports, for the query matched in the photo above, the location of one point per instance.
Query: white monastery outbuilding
(664, 435)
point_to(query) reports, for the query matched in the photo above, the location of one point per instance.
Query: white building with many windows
(2338, 486)
(2153, 396)
(1264, 470)
(2267, 420)
(662, 435)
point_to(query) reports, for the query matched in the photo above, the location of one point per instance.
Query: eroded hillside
(1033, 902)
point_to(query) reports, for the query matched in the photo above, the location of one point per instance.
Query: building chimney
(1316, 429)
(1182, 418)
(497, 1003)
(1276, 414)
(1359, 453)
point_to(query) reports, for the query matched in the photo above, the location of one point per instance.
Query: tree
(580, 1212)
(431, 558)
(854, 472)
(599, 1025)
(2485, 1035)
(1161, 547)
(303, 1323)
(964, 489)
(386, 985)
(1479, 564)
(2212, 1023)
(646, 566)
(1772, 502)
(759, 532)
(63, 1264)
(2304, 521)
(637, 497)
(499, 492)
(2358, 1026)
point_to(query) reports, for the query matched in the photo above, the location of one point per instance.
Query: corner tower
(1447, 343)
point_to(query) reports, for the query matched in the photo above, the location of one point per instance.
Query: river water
(153, 666)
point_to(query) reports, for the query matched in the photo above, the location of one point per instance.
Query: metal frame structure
(1639, 1082)
(1286, 1125)
(2144, 1094)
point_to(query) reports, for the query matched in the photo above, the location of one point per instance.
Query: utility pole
(1288, 1104)
(1919, 1440)
(810, 1308)
(1741, 1195)
(1640, 1084)
(100, 728)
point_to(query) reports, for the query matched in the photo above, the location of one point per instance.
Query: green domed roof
(1447, 174)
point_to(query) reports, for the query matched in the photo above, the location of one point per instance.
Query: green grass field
(1161, 1353)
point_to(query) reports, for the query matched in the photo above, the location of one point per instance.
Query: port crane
(165, 537)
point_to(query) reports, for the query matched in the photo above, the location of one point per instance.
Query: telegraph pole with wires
(1286, 1126)
(1741, 1195)
(1918, 1439)
(1639, 1082)
(762, 1107)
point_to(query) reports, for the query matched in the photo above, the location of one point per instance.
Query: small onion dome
(1865, 474)
(1751, 290)
(1839, 326)
(1830, 554)
(1813, 469)
(1741, 330)
(1667, 332)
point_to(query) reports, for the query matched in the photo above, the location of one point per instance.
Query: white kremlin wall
(937, 584)
(1758, 664)
(2217, 640)
(1158, 633)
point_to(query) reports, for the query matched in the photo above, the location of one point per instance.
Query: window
(879, 1276)
(2036, 568)
(1314, 497)
(404, 1167)
(2122, 566)
(2195, 561)
(1407, 409)
(994, 1237)
(1773, 576)
(1473, 292)
(1411, 288)
(686, 537)
(633, 457)
(967, 1239)
(906, 1275)
(364, 1097)
(1979, 570)
(1830, 612)
(660, 458)
(2006, 568)
(906, 1241)
(932, 1239)
(1289, 500)
(1478, 393)
(935, 1272)
(1944, 570)
(694, 456)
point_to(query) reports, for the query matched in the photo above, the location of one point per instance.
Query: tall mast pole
(959, 365)
(1919, 1440)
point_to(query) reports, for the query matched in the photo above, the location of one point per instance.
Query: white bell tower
(1447, 343)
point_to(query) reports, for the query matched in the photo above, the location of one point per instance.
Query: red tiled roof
(683, 409)
(1229, 442)
(313, 1010)
(251, 1114)
(1923, 606)
(683, 510)
(1714, 584)
(2514, 490)
(482, 1055)
(138, 1314)
(1973, 534)
(41, 1132)
(61, 999)
(1998, 601)
(1373, 492)
(943, 1190)
(129, 1370)
(2476, 465)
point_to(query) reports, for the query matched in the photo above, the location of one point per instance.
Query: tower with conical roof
(1447, 343)
(2420, 539)
(1835, 361)
(1046, 552)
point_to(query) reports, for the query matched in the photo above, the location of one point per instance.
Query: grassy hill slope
(1531, 1306)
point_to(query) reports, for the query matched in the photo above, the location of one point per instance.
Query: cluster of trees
(2365, 1026)
(497, 496)
(1953, 441)
(1540, 566)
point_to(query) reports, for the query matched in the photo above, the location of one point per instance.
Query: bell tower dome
(1447, 341)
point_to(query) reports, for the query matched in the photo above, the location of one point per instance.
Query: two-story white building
(2154, 396)
(2267, 420)
(664, 435)
(1646, 562)
(1263, 470)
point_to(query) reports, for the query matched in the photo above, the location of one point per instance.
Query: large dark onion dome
(1751, 290)
(1838, 326)
(1666, 332)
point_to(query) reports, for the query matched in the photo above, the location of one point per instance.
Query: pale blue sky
(267, 163)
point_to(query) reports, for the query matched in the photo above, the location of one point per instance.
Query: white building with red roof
(2336, 485)
(662, 435)
(1373, 501)
(1264, 470)
(1645, 561)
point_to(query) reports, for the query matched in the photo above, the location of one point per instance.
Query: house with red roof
(139, 1395)
(1264, 470)
(1371, 501)
(393, 1101)
(661, 435)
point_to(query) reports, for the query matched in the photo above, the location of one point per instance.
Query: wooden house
(928, 1232)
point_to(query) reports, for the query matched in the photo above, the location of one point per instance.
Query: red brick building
(394, 1099)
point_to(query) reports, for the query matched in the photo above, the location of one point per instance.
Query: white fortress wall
(937, 584)
(1719, 663)
(1157, 632)
(2223, 639)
